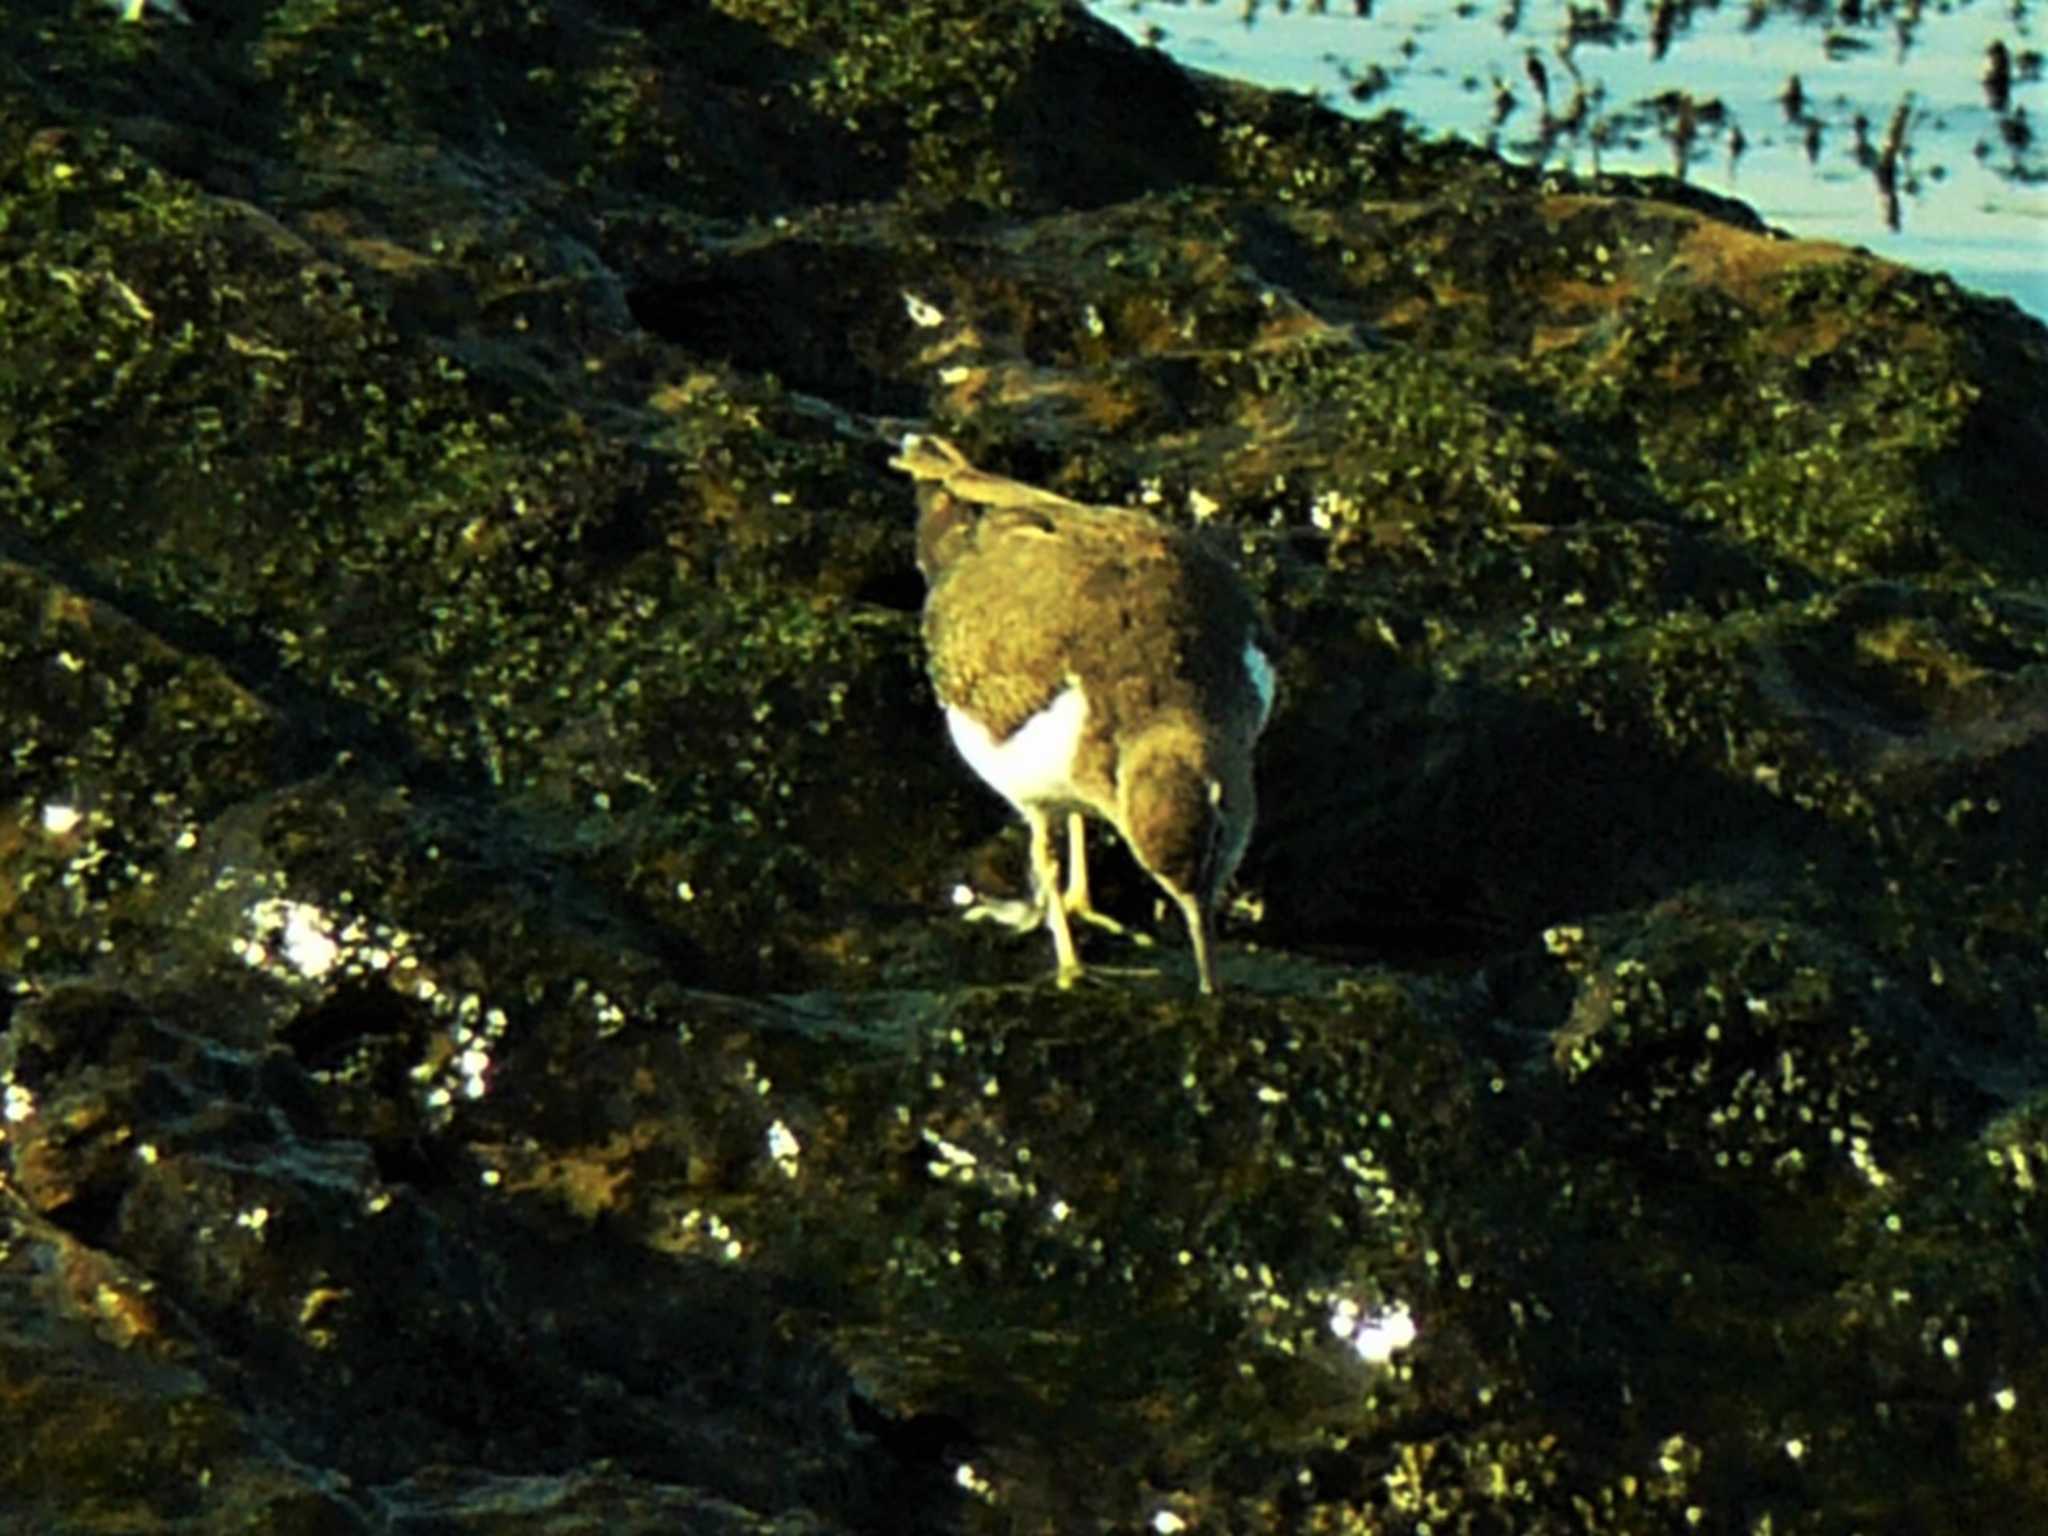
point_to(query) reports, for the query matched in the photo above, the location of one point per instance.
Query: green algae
(408, 547)
(1808, 434)
(423, 513)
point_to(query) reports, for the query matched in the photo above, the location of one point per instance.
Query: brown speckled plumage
(1032, 594)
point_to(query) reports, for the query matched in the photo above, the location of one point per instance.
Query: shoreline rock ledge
(487, 1041)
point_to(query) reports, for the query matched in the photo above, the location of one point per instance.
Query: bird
(1100, 662)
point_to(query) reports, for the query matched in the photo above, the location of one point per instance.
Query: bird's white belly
(1034, 764)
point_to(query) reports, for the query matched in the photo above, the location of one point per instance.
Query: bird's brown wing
(998, 630)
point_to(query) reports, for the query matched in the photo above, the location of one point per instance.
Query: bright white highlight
(301, 932)
(1375, 1337)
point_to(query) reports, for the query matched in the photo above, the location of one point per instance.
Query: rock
(485, 1040)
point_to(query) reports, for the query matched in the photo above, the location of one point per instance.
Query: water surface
(1704, 92)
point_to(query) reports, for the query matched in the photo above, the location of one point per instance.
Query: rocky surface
(486, 1042)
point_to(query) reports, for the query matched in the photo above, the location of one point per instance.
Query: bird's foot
(1012, 912)
(1020, 915)
(1113, 977)
(1083, 912)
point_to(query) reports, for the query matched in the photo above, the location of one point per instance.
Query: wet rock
(487, 1042)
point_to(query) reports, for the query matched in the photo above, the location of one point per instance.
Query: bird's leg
(1078, 904)
(1045, 876)
(1077, 901)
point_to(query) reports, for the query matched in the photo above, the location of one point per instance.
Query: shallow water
(1970, 181)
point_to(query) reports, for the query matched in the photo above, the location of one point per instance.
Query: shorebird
(1094, 661)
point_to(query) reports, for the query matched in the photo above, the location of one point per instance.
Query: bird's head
(1187, 808)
